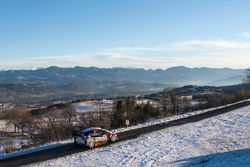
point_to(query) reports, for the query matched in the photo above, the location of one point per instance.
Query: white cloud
(209, 45)
(137, 49)
(245, 34)
(193, 53)
(206, 60)
(192, 45)
(211, 53)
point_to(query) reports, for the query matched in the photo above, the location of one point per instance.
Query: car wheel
(113, 138)
(78, 140)
(91, 144)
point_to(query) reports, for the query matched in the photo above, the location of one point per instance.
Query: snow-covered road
(223, 140)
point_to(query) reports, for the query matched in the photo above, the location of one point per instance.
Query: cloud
(46, 61)
(210, 53)
(193, 53)
(192, 45)
(209, 45)
(245, 34)
(137, 49)
(154, 62)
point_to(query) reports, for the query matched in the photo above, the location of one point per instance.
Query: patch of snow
(4, 155)
(19, 140)
(176, 117)
(217, 141)
(91, 106)
(5, 127)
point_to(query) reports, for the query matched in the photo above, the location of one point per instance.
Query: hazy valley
(52, 83)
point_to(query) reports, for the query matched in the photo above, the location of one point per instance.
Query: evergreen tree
(118, 115)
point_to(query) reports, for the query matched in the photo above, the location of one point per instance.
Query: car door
(102, 136)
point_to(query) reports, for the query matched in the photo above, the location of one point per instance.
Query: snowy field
(91, 106)
(223, 140)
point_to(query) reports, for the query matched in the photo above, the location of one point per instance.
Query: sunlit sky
(130, 33)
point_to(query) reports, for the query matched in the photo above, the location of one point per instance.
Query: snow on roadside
(172, 118)
(41, 147)
(4, 155)
(217, 141)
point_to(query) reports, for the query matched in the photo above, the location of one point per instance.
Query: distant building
(7, 105)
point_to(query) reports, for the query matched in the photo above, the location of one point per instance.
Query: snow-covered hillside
(218, 141)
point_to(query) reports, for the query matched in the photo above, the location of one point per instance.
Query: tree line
(57, 122)
(128, 108)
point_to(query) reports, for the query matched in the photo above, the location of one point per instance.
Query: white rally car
(94, 136)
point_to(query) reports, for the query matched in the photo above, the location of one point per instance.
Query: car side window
(93, 133)
(101, 132)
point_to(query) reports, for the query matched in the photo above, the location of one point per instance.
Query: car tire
(78, 140)
(113, 138)
(91, 144)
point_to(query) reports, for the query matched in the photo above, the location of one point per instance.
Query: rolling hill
(55, 82)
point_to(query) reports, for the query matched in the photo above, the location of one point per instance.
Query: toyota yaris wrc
(94, 136)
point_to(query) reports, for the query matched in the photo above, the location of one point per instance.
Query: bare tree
(23, 119)
(84, 121)
(69, 113)
(164, 100)
(184, 103)
(51, 116)
(173, 101)
(12, 117)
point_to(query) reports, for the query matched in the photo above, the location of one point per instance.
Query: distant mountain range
(55, 82)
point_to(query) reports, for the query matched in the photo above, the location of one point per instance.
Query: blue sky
(130, 33)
